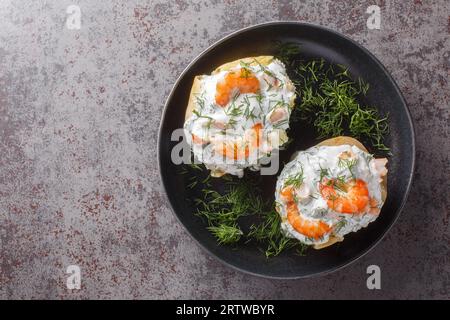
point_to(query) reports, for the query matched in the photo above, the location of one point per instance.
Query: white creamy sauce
(215, 124)
(310, 202)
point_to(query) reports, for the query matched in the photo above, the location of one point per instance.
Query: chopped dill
(244, 64)
(349, 164)
(248, 112)
(234, 110)
(339, 225)
(295, 180)
(199, 115)
(259, 98)
(231, 124)
(323, 173)
(200, 102)
(265, 70)
(340, 183)
(312, 196)
(269, 85)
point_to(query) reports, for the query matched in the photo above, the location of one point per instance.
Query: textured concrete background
(79, 115)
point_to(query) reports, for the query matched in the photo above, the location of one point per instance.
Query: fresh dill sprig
(196, 174)
(330, 98)
(368, 123)
(349, 164)
(196, 166)
(223, 210)
(269, 232)
(339, 225)
(226, 234)
(269, 228)
(192, 184)
(286, 51)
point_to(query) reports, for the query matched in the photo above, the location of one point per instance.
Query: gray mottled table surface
(79, 116)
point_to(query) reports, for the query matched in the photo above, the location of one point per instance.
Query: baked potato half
(238, 114)
(330, 190)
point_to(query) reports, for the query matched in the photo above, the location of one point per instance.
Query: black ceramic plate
(384, 94)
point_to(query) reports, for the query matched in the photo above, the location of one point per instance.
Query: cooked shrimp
(241, 148)
(197, 139)
(300, 194)
(373, 206)
(278, 115)
(347, 155)
(271, 80)
(380, 166)
(287, 194)
(233, 150)
(219, 124)
(349, 197)
(312, 228)
(254, 135)
(243, 80)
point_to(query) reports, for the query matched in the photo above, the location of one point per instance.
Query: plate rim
(397, 89)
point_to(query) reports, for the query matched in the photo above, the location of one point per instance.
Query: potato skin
(338, 141)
